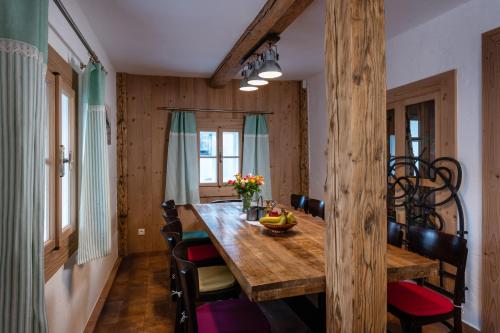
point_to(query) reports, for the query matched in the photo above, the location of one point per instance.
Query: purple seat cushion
(231, 316)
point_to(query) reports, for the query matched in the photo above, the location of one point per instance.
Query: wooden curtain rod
(168, 108)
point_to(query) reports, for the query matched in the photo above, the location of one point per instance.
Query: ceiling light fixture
(254, 78)
(244, 86)
(270, 68)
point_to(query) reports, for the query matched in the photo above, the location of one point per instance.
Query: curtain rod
(168, 108)
(67, 16)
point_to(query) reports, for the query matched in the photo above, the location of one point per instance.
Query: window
(420, 137)
(60, 215)
(220, 151)
(208, 157)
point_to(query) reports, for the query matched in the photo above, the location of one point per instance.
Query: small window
(66, 135)
(219, 156)
(208, 157)
(231, 155)
(420, 141)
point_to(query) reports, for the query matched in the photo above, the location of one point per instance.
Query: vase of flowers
(247, 186)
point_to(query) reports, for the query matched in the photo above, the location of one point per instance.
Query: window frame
(62, 242)
(220, 152)
(50, 243)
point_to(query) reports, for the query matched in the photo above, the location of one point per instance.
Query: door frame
(491, 181)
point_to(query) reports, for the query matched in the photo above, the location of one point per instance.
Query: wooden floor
(139, 301)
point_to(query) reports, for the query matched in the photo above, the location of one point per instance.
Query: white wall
(318, 135)
(450, 41)
(72, 292)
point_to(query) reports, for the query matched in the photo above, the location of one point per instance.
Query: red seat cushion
(203, 252)
(231, 316)
(417, 301)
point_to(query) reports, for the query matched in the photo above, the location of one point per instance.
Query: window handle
(63, 160)
(220, 157)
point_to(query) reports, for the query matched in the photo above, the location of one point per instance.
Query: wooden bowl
(279, 228)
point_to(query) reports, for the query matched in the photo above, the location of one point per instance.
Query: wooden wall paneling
(139, 184)
(201, 93)
(122, 161)
(148, 130)
(491, 182)
(356, 277)
(159, 130)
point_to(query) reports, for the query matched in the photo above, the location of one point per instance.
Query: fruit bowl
(279, 228)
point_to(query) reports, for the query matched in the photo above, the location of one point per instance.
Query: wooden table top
(273, 266)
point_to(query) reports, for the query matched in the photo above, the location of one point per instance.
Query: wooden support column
(356, 275)
(121, 151)
(304, 142)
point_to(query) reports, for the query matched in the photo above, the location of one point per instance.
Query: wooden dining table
(270, 266)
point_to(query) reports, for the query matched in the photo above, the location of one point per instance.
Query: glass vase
(247, 201)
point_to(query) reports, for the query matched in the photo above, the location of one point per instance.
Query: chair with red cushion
(424, 303)
(216, 282)
(202, 253)
(224, 316)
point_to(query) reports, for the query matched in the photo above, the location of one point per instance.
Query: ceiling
(191, 37)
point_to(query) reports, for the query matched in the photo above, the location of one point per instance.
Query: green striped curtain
(256, 151)
(183, 175)
(94, 219)
(23, 111)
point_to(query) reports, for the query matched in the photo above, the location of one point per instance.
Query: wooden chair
(424, 303)
(394, 233)
(168, 204)
(316, 208)
(170, 208)
(172, 234)
(298, 201)
(194, 234)
(230, 315)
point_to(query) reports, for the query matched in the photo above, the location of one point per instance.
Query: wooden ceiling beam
(274, 17)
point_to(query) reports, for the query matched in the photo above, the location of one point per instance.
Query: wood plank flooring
(139, 301)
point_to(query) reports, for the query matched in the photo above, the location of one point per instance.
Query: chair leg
(405, 326)
(173, 282)
(457, 321)
(409, 327)
(179, 326)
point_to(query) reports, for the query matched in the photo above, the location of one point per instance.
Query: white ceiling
(191, 37)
